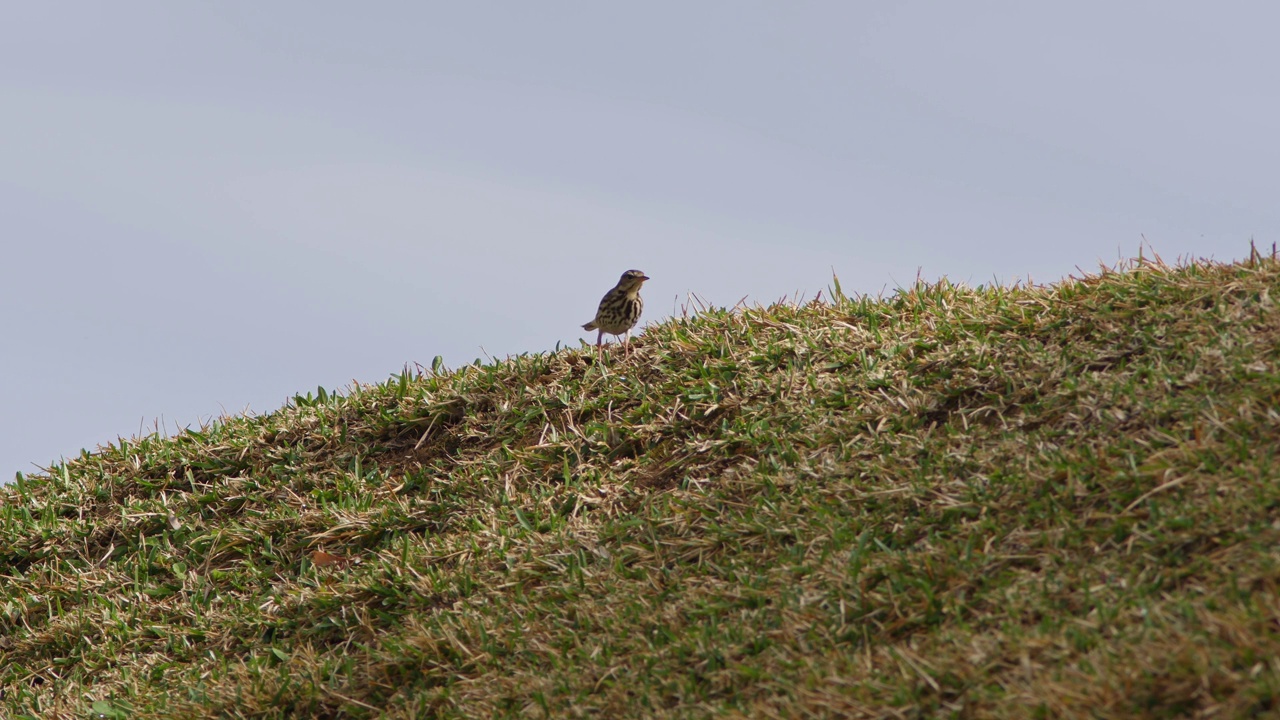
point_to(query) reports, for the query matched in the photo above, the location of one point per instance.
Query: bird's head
(632, 280)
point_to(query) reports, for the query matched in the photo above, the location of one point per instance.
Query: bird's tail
(590, 326)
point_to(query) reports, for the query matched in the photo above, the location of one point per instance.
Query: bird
(619, 309)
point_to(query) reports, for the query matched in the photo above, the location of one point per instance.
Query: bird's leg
(599, 352)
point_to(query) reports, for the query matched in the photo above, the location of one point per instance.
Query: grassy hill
(995, 502)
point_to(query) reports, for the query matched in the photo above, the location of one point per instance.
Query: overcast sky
(206, 207)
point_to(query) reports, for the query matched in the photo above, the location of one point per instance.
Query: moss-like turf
(975, 502)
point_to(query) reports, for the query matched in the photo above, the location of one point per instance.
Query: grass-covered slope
(975, 502)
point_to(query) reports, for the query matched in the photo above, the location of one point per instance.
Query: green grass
(972, 502)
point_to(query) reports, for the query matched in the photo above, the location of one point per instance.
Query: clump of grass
(986, 501)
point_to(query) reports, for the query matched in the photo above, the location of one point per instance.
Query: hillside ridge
(980, 502)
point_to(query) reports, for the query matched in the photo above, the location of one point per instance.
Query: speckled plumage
(620, 308)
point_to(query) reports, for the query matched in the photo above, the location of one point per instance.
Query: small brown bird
(620, 308)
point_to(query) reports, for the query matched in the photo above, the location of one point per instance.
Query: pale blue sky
(208, 206)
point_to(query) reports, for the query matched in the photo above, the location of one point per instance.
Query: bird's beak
(645, 277)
